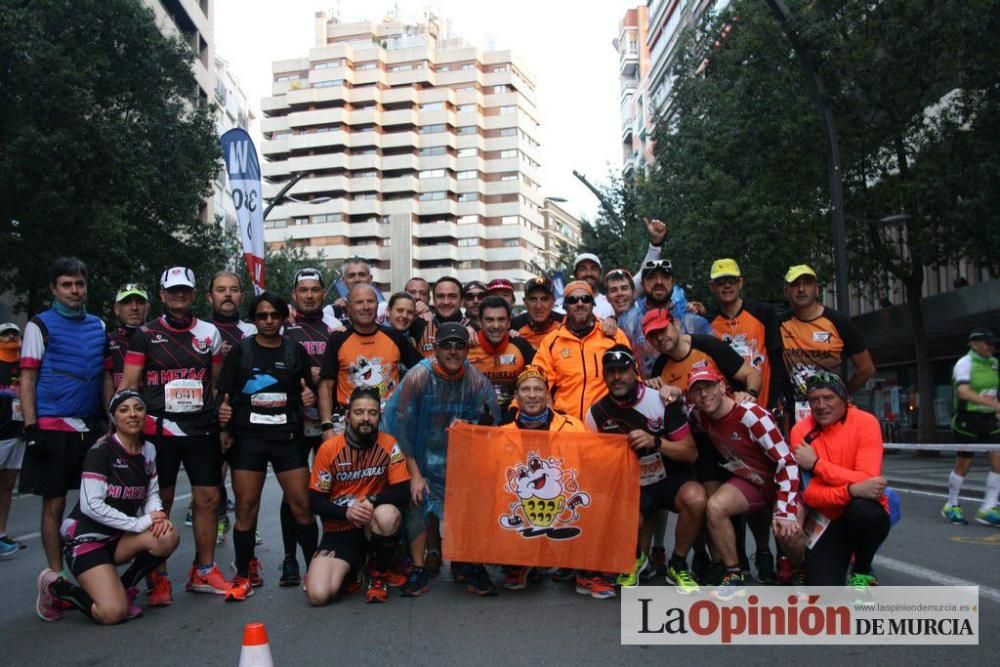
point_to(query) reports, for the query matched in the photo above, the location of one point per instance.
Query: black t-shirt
(118, 343)
(266, 393)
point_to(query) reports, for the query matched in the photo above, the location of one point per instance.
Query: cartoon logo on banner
(548, 499)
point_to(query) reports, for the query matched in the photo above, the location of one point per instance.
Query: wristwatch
(372, 499)
(326, 426)
(754, 393)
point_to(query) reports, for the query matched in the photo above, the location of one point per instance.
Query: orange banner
(518, 497)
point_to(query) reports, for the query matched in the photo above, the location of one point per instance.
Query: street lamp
(278, 198)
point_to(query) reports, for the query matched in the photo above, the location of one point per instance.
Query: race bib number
(740, 469)
(813, 527)
(268, 400)
(802, 411)
(651, 469)
(15, 411)
(183, 396)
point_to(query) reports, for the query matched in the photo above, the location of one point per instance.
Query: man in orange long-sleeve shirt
(841, 447)
(570, 356)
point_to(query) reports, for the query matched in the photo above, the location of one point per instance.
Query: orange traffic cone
(256, 651)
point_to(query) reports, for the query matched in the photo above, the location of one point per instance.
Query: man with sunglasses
(175, 362)
(433, 395)
(749, 327)
(473, 293)
(311, 328)
(570, 356)
(539, 317)
(658, 431)
(658, 288)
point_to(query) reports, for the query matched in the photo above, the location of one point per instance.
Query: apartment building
(231, 111)
(419, 152)
(633, 69)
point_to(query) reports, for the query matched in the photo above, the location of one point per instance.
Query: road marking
(31, 536)
(934, 576)
(933, 494)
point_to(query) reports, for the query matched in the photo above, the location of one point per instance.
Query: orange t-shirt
(350, 475)
(821, 344)
(501, 365)
(751, 333)
(354, 359)
(522, 324)
(706, 351)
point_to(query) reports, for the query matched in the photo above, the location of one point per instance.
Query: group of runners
(741, 419)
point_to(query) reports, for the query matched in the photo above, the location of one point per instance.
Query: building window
(509, 177)
(432, 106)
(364, 174)
(510, 220)
(300, 221)
(508, 131)
(364, 196)
(329, 64)
(464, 108)
(468, 219)
(432, 173)
(433, 196)
(468, 152)
(509, 153)
(364, 66)
(432, 129)
(401, 68)
(499, 90)
(464, 89)
(467, 175)
(511, 243)
(508, 109)
(328, 84)
(433, 150)
(468, 129)
(468, 66)
(468, 196)
(466, 243)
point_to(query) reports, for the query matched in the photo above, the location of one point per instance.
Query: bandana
(531, 371)
(122, 396)
(827, 380)
(579, 284)
(10, 351)
(69, 313)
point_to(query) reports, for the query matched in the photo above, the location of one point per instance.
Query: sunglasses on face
(271, 315)
(453, 345)
(664, 264)
(573, 300)
(476, 296)
(727, 281)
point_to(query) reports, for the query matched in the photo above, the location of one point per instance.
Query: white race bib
(15, 411)
(272, 400)
(183, 396)
(813, 527)
(651, 469)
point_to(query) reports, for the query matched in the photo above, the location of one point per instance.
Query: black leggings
(859, 532)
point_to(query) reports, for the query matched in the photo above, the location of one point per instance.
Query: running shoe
(8, 549)
(161, 593)
(258, 539)
(256, 579)
(239, 590)
(682, 580)
(733, 585)
(632, 578)
(289, 572)
(564, 574)
(432, 563)
(212, 581)
(764, 562)
(417, 584)
(862, 582)
(596, 586)
(953, 513)
(378, 587)
(221, 529)
(46, 604)
(658, 564)
(7, 539)
(134, 610)
(989, 518)
(398, 573)
(715, 572)
(479, 581)
(515, 578)
(189, 517)
(784, 574)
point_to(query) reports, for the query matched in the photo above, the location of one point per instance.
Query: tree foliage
(105, 151)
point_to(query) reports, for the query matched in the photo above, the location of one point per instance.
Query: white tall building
(420, 154)
(232, 111)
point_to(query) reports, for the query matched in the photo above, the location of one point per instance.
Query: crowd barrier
(941, 447)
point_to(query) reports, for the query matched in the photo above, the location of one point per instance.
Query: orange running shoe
(256, 580)
(378, 588)
(240, 589)
(162, 593)
(212, 581)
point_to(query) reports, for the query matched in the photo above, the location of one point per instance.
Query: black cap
(472, 284)
(983, 334)
(539, 282)
(618, 357)
(451, 331)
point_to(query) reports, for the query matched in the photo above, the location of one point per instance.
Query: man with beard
(311, 328)
(539, 316)
(570, 355)
(499, 357)
(432, 396)
(658, 287)
(473, 293)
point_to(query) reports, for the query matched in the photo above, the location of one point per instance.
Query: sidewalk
(908, 471)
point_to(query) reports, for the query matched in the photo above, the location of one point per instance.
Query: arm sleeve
(524, 346)
(93, 495)
(675, 424)
(398, 494)
(728, 360)
(765, 433)
(322, 506)
(153, 501)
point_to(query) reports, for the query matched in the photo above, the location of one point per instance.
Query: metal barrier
(941, 447)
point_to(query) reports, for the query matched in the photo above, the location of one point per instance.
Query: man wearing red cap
(571, 355)
(763, 474)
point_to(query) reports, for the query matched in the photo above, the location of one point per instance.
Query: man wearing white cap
(175, 362)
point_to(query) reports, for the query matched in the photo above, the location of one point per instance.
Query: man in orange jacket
(570, 356)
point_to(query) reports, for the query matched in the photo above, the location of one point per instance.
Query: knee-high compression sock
(383, 547)
(992, 492)
(243, 546)
(143, 564)
(288, 536)
(75, 595)
(307, 535)
(954, 487)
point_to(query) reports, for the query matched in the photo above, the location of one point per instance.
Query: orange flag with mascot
(538, 498)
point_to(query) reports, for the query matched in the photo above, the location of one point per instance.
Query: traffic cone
(256, 651)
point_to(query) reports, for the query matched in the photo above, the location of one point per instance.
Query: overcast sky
(565, 44)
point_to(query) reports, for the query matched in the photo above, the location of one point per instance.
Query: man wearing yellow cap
(816, 338)
(750, 327)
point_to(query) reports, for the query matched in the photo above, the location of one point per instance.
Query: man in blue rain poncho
(434, 394)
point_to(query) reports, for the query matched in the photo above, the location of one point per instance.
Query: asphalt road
(545, 625)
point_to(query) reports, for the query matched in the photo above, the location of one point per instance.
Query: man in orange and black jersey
(359, 486)
(750, 327)
(539, 318)
(447, 306)
(365, 355)
(816, 338)
(132, 310)
(311, 327)
(499, 357)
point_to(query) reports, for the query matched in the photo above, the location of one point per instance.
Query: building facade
(420, 153)
(231, 111)
(633, 70)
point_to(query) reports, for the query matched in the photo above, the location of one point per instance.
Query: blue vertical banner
(244, 183)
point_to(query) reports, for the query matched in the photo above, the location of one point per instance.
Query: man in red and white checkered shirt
(763, 472)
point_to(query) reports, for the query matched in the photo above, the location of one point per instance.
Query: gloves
(31, 436)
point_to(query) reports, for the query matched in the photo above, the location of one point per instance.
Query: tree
(105, 151)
